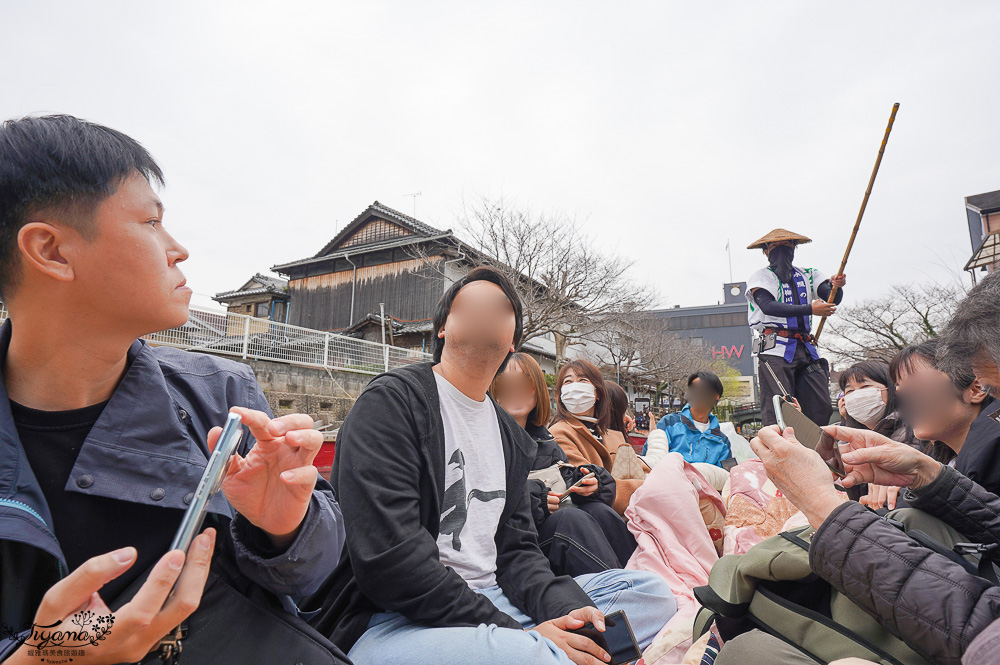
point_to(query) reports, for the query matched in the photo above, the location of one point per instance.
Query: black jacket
(550, 453)
(390, 474)
(920, 596)
(979, 458)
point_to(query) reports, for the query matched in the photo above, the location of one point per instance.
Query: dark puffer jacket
(922, 597)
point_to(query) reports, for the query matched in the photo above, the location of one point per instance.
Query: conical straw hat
(778, 235)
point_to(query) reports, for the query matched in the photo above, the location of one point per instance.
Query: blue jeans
(392, 639)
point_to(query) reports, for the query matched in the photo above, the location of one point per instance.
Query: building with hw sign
(721, 330)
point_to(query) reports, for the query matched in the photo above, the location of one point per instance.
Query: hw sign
(727, 351)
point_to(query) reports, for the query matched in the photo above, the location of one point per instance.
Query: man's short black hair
(59, 161)
(711, 378)
(484, 274)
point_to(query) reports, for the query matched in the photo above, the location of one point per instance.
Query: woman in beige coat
(581, 425)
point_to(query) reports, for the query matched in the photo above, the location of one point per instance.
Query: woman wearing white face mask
(582, 426)
(870, 401)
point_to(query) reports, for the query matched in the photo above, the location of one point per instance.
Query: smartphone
(808, 433)
(576, 484)
(617, 638)
(210, 484)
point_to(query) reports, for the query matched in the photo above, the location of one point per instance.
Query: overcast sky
(668, 127)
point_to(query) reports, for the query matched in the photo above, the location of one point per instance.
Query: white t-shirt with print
(475, 486)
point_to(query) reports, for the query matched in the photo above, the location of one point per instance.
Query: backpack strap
(709, 598)
(795, 537)
(828, 640)
(769, 588)
(985, 554)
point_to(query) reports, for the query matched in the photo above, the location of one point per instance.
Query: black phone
(617, 638)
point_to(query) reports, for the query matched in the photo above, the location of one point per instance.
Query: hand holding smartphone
(569, 490)
(617, 638)
(210, 484)
(808, 433)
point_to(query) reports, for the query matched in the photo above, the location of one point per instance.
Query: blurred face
(701, 395)
(933, 406)
(128, 274)
(515, 393)
(481, 324)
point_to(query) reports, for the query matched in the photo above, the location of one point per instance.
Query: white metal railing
(231, 334)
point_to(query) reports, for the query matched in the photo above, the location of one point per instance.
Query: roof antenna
(414, 195)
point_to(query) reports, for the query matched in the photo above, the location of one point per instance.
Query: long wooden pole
(861, 213)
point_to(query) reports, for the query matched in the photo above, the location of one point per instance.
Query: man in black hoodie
(444, 564)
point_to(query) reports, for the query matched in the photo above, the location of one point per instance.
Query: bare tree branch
(879, 327)
(570, 288)
(644, 355)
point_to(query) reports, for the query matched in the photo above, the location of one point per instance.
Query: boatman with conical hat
(782, 300)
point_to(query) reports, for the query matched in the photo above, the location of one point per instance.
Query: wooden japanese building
(382, 256)
(415, 334)
(261, 296)
(983, 214)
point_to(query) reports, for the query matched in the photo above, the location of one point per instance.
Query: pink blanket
(757, 509)
(665, 517)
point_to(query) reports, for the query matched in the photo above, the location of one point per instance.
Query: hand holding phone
(210, 484)
(808, 433)
(569, 490)
(617, 638)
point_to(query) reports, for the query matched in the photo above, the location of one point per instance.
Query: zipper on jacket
(31, 511)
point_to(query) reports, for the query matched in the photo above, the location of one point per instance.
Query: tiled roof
(377, 209)
(398, 327)
(983, 202)
(364, 249)
(268, 285)
(420, 230)
(270, 282)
